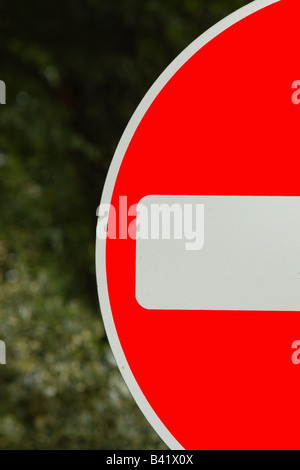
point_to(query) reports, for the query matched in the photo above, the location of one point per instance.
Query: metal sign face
(198, 239)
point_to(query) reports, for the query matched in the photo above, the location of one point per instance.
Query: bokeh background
(75, 71)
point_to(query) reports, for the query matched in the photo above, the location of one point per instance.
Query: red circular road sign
(205, 346)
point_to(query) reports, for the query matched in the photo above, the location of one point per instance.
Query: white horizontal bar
(250, 259)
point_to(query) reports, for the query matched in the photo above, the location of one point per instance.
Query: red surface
(224, 125)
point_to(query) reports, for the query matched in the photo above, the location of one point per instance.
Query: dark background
(75, 71)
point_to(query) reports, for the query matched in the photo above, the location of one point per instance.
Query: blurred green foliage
(75, 71)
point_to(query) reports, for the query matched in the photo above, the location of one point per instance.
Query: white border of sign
(138, 115)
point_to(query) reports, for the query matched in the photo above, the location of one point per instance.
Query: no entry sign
(199, 266)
